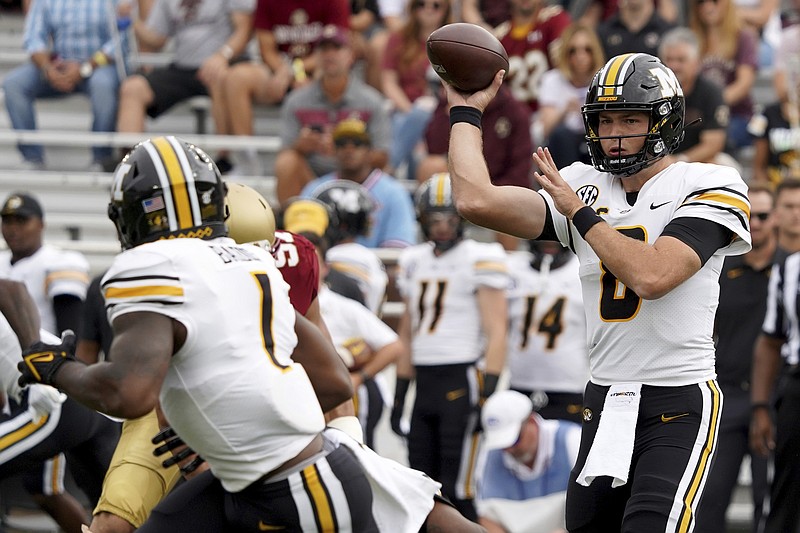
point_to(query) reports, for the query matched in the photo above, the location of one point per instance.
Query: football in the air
(466, 56)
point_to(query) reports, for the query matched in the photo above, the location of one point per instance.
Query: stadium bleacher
(75, 200)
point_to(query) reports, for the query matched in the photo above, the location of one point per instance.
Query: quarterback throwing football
(651, 235)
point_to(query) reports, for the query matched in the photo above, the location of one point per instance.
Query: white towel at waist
(612, 448)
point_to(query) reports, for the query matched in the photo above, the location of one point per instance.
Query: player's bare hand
(479, 99)
(565, 199)
(762, 433)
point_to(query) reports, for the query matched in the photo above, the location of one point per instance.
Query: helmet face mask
(539, 249)
(166, 188)
(635, 83)
(436, 212)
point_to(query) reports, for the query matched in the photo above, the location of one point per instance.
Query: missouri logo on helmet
(166, 188)
(635, 83)
(352, 205)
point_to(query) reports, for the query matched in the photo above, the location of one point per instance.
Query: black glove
(400, 391)
(41, 361)
(489, 385)
(172, 441)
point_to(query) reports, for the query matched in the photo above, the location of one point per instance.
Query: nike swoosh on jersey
(267, 527)
(656, 206)
(455, 394)
(670, 418)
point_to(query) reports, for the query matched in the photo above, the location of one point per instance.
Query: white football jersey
(441, 297)
(350, 323)
(232, 392)
(666, 341)
(547, 327)
(365, 267)
(48, 273)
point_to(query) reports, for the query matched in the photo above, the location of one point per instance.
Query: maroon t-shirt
(297, 24)
(410, 77)
(507, 144)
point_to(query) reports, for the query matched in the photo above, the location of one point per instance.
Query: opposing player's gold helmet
(248, 215)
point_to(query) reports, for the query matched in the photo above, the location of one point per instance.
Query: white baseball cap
(502, 417)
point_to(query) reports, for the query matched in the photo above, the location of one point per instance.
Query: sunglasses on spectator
(344, 141)
(760, 216)
(704, 1)
(575, 49)
(433, 5)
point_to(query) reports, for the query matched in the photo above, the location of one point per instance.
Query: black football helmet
(635, 82)
(436, 196)
(166, 188)
(352, 205)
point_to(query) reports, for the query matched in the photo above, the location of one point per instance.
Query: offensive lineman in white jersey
(455, 315)
(547, 355)
(651, 235)
(205, 326)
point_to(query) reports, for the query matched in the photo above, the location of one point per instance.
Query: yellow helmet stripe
(614, 72)
(442, 188)
(188, 175)
(163, 180)
(177, 183)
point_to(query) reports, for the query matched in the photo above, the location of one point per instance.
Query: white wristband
(350, 425)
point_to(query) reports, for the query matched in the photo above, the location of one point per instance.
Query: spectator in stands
(366, 25)
(392, 222)
(523, 483)
(776, 130)
(729, 58)
(703, 142)
(530, 38)
(72, 50)
(593, 12)
(775, 386)
(742, 304)
(404, 79)
(57, 279)
(787, 57)
(486, 13)
(507, 145)
(787, 217)
(635, 27)
(285, 40)
(309, 114)
(763, 17)
(563, 92)
(208, 35)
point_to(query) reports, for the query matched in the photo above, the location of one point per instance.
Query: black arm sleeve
(703, 236)
(68, 310)
(549, 229)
